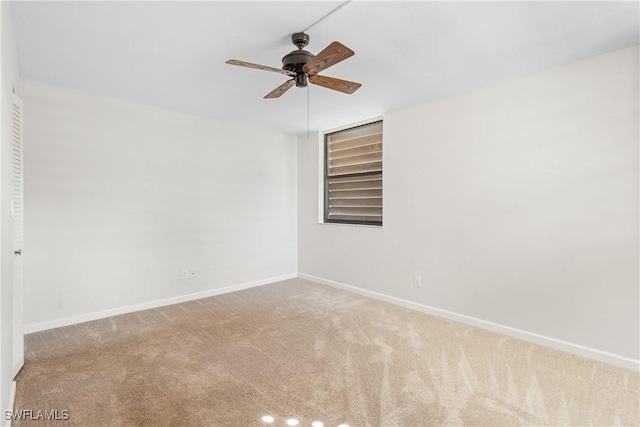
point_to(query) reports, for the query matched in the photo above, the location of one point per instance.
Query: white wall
(9, 80)
(516, 203)
(120, 197)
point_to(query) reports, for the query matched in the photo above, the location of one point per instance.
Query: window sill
(379, 227)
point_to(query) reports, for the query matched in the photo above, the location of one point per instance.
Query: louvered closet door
(17, 213)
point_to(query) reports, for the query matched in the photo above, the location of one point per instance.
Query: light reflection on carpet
(270, 420)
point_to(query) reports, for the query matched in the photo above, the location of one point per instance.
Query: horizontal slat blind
(354, 175)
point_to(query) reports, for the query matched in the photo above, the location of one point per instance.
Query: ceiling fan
(304, 67)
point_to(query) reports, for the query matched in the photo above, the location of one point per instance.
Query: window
(353, 175)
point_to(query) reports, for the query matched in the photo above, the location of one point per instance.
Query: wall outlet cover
(417, 281)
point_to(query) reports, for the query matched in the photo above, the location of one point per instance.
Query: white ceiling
(172, 54)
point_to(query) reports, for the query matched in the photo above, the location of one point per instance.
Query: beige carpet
(295, 349)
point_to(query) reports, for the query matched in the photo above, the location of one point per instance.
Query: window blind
(353, 175)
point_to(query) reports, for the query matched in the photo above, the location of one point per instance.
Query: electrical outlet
(417, 281)
(193, 273)
(185, 274)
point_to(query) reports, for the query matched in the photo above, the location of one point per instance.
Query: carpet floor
(295, 349)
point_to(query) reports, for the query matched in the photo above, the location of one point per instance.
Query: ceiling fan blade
(335, 84)
(277, 92)
(259, 67)
(331, 55)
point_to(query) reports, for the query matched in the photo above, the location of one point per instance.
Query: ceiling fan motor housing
(294, 61)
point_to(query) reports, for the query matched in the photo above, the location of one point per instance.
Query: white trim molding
(579, 350)
(42, 326)
(12, 401)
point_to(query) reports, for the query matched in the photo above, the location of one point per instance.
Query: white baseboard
(579, 350)
(12, 401)
(37, 327)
